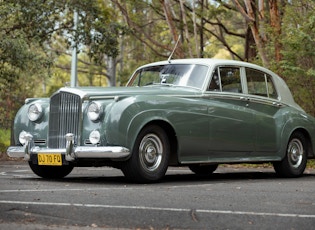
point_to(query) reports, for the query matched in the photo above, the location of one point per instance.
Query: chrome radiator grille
(64, 117)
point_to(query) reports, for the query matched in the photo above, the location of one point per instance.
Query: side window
(227, 79)
(215, 82)
(260, 83)
(272, 93)
(230, 79)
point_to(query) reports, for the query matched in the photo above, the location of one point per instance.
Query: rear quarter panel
(297, 120)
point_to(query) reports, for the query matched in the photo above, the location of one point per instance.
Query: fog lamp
(24, 136)
(95, 137)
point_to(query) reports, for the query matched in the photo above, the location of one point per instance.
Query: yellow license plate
(49, 159)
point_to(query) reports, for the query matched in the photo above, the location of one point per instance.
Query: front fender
(127, 117)
(140, 120)
(188, 118)
(22, 123)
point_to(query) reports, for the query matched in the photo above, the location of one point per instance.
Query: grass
(311, 164)
(4, 142)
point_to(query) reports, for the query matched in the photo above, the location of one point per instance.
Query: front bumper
(71, 152)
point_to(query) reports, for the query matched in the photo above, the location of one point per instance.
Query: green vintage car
(190, 112)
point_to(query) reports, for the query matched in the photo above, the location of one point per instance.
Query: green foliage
(299, 53)
(97, 31)
(21, 65)
(311, 164)
(33, 34)
(4, 140)
(36, 38)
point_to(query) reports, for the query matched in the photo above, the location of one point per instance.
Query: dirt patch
(5, 158)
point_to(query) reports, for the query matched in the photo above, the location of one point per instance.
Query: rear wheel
(51, 172)
(294, 162)
(203, 170)
(150, 156)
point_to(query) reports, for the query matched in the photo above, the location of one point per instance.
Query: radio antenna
(170, 57)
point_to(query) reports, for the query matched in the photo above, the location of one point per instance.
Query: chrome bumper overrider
(71, 152)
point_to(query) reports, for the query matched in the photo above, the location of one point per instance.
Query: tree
(36, 38)
(19, 59)
(264, 19)
(298, 51)
(33, 34)
(185, 18)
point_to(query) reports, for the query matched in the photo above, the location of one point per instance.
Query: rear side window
(226, 79)
(260, 83)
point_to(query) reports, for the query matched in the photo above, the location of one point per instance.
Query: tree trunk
(202, 23)
(168, 16)
(275, 22)
(259, 37)
(187, 37)
(195, 29)
(250, 50)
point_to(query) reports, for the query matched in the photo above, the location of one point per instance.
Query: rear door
(265, 106)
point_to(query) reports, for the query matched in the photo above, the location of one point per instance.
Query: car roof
(211, 62)
(284, 92)
(206, 61)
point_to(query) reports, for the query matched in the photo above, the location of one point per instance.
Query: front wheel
(50, 172)
(294, 162)
(150, 156)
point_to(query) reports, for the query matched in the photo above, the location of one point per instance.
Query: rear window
(260, 83)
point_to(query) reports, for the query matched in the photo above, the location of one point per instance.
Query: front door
(231, 121)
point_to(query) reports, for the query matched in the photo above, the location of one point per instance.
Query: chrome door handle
(276, 104)
(245, 98)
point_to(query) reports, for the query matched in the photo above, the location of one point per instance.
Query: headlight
(35, 112)
(94, 111)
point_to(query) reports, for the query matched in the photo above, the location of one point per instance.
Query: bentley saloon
(197, 113)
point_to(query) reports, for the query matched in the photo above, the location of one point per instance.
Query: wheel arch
(297, 124)
(171, 134)
(310, 152)
(294, 162)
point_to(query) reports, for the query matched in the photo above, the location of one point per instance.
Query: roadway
(100, 198)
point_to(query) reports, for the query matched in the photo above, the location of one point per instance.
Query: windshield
(171, 74)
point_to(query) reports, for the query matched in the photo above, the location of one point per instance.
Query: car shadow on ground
(174, 178)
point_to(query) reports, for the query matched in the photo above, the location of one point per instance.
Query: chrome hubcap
(295, 152)
(150, 152)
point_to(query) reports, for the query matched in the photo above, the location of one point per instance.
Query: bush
(4, 142)
(311, 163)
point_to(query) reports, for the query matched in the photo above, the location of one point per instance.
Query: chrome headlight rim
(94, 111)
(35, 112)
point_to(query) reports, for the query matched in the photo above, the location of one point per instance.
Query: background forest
(113, 37)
